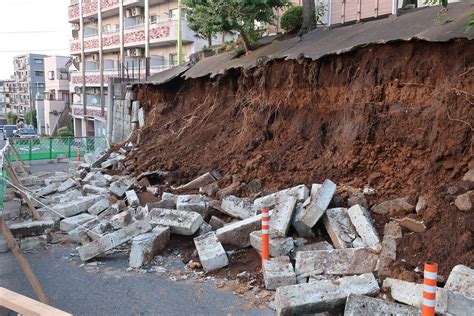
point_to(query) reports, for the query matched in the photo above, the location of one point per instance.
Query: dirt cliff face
(398, 117)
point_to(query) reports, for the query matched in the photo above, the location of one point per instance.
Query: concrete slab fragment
(99, 206)
(32, 228)
(301, 228)
(33, 243)
(120, 220)
(364, 305)
(3, 244)
(146, 246)
(282, 215)
(337, 261)
(461, 279)
(278, 272)
(216, 223)
(66, 185)
(399, 205)
(301, 192)
(318, 205)
(392, 232)
(113, 240)
(322, 245)
(81, 205)
(339, 227)
(446, 301)
(237, 207)
(278, 246)
(70, 223)
(119, 187)
(362, 222)
(180, 222)
(238, 233)
(192, 203)
(322, 296)
(87, 188)
(211, 253)
(132, 198)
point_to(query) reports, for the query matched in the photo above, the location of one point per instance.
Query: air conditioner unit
(77, 90)
(136, 11)
(95, 57)
(128, 13)
(77, 59)
(76, 26)
(135, 52)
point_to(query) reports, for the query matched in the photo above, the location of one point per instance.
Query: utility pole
(180, 35)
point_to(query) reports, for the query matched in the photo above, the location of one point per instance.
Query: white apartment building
(120, 38)
(56, 94)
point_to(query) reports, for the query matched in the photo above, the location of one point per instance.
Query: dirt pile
(397, 117)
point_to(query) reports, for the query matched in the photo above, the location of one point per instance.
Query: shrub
(11, 118)
(64, 132)
(292, 19)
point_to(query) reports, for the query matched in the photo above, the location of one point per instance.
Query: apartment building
(3, 96)
(130, 39)
(27, 82)
(56, 94)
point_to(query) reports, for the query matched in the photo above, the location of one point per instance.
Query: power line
(34, 50)
(30, 32)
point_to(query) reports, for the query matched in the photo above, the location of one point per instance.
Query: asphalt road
(110, 290)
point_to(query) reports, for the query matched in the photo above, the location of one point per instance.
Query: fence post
(50, 148)
(69, 147)
(31, 146)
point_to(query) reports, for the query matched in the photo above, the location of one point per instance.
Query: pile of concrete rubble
(101, 212)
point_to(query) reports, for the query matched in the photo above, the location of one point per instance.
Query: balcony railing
(109, 4)
(88, 8)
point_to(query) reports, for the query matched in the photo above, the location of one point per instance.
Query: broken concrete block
(75, 234)
(99, 206)
(362, 223)
(33, 243)
(339, 227)
(87, 188)
(322, 296)
(146, 246)
(315, 210)
(301, 192)
(237, 207)
(109, 163)
(180, 222)
(420, 206)
(29, 181)
(33, 228)
(3, 244)
(238, 233)
(278, 272)
(66, 185)
(71, 223)
(447, 302)
(70, 196)
(81, 205)
(365, 305)
(211, 253)
(216, 223)
(192, 203)
(322, 245)
(203, 180)
(301, 228)
(392, 232)
(204, 229)
(337, 261)
(400, 205)
(113, 240)
(112, 210)
(121, 220)
(412, 224)
(461, 279)
(278, 246)
(166, 196)
(168, 204)
(49, 189)
(132, 198)
(119, 187)
(13, 207)
(281, 217)
(465, 201)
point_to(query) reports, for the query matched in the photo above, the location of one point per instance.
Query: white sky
(22, 30)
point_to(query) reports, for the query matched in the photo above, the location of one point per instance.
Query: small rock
(420, 205)
(394, 206)
(469, 176)
(412, 224)
(464, 201)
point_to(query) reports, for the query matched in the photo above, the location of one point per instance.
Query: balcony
(89, 8)
(92, 110)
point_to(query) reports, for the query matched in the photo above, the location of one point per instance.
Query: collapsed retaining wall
(397, 117)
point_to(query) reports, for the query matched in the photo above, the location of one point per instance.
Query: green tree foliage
(11, 118)
(235, 16)
(30, 118)
(292, 19)
(65, 132)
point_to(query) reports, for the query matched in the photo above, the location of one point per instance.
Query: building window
(173, 59)
(38, 61)
(39, 73)
(41, 85)
(51, 75)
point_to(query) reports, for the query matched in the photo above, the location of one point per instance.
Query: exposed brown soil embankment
(397, 117)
